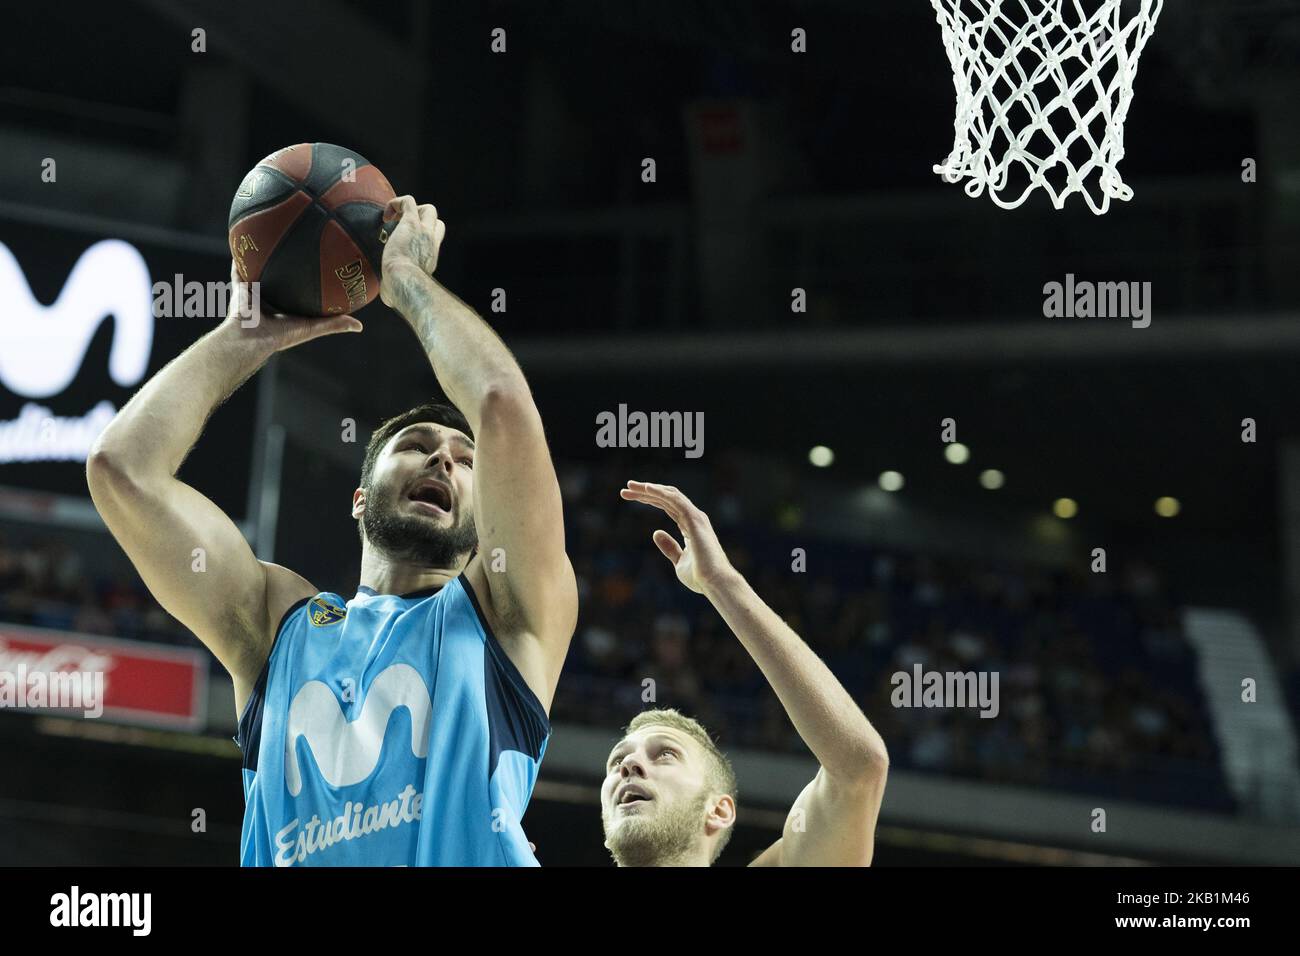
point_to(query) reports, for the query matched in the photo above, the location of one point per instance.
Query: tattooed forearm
(467, 355)
(413, 296)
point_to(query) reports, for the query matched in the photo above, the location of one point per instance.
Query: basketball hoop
(1042, 86)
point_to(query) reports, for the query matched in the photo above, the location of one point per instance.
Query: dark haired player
(402, 725)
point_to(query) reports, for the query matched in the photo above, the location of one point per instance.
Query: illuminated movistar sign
(42, 347)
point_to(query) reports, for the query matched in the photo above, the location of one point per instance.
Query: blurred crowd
(1097, 688)
(1097, 684)
(46, 584)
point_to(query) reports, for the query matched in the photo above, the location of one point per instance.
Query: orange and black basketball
(307, 224)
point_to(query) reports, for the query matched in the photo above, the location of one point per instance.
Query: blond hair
(721, 776)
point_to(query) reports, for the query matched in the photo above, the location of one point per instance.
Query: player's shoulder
(550, 621)
(282, 591)
(285, 590)
(769, 857)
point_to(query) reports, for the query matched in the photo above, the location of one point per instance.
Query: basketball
(306, 223)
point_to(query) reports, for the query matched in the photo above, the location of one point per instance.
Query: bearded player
(669, 796)
(404, 724)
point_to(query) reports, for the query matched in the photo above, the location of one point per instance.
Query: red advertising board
(142, 683)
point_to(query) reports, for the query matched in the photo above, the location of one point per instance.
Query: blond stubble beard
(664, 839)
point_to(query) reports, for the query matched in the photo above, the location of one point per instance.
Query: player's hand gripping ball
(415, 236)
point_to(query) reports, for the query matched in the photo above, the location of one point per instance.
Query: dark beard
(408, 538)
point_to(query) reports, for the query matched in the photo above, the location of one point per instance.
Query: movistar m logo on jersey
(347, 752)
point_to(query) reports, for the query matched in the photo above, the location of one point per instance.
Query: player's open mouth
(432, 496)
(633, 795)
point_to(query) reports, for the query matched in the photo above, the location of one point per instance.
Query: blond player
(669, 796)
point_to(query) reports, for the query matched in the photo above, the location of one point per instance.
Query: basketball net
(1042, 85)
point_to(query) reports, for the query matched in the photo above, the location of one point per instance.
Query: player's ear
(358, 503)
(722, 814)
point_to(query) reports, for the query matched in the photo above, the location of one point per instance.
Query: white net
(1043, 87)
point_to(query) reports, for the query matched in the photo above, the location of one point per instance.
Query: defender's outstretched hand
(700, 561)
(833, 822)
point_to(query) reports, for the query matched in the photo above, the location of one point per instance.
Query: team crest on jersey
(323, 613)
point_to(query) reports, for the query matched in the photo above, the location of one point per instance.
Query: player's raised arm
(231, 600)
(833, 821)
(522, 562)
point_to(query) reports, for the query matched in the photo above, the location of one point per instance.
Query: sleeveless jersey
(389, 731)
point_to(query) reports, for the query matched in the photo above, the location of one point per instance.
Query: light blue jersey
(389, 731)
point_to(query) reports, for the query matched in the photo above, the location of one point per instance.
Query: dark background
(923, 304)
